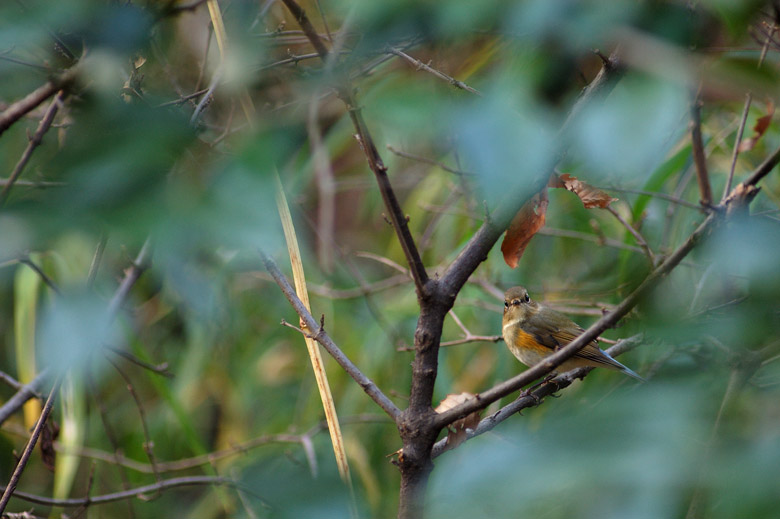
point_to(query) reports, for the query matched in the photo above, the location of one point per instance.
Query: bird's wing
(556, 338)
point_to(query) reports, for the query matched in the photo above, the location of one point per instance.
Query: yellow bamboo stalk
(220, 34)
(314, 351)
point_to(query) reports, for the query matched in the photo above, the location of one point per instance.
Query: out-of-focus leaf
(628, 134)
(527, 222)
(761, 126)
(590, 196)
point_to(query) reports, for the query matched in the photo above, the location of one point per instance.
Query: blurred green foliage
(137, 156)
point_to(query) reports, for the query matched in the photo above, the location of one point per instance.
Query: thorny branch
(352, 370)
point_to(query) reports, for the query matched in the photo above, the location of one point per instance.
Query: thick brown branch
(308, 29)
(352, 370)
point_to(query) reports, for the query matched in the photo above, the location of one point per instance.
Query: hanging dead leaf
(49, 434)
(527, 222)
(759, 129)
(456, 431)
(590, 196)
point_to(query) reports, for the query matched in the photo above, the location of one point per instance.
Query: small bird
(533, 332)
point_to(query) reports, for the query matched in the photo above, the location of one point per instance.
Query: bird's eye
(527, 298)
(506, 304)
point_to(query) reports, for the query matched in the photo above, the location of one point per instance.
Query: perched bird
(533, 332)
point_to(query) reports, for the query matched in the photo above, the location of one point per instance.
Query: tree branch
(422, 66)
(396, 214)
(371, 389)
(25, 457)
(484, 399)
(17, 110)
(164, 484)
(35, 141)
(535, 398)
(702, 176)
(22, 395)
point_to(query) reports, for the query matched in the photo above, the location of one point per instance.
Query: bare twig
(610, 319)
(699, 158)
(737, 142)
(367, 384)
(22, 395)
(131, 276)
(17, 110)
(45, 278)
(160, 486)
(35, 141)
(441, 75)
(160, 369)
(663, 196)
(637, 236)
(117, 458)
(9, 490)
(535, 398)
(426, 160)
(148, 443)
(375, 162)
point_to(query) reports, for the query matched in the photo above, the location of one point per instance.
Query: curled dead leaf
(457, 431)
(527, 222)
(590, 196)
(759, 129)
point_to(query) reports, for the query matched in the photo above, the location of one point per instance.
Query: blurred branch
(610, 319)
(160, 486)
(441, 75)
(9, 490)
(702, 175)
(737, 142)
(637, 236)
(353, 371)
(212, 457)
(18, 110)
(744, 368)
(366, 141)
(46, 279)
(536, 397)
(663, 196)
(22, 395)
(427, 161)
(35, 141)
(148, 443)
(739, 197)
(132, 274)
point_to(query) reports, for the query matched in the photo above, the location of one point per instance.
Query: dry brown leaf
(527, 222)
(590, 196)
(456, 431)
(760, 128)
